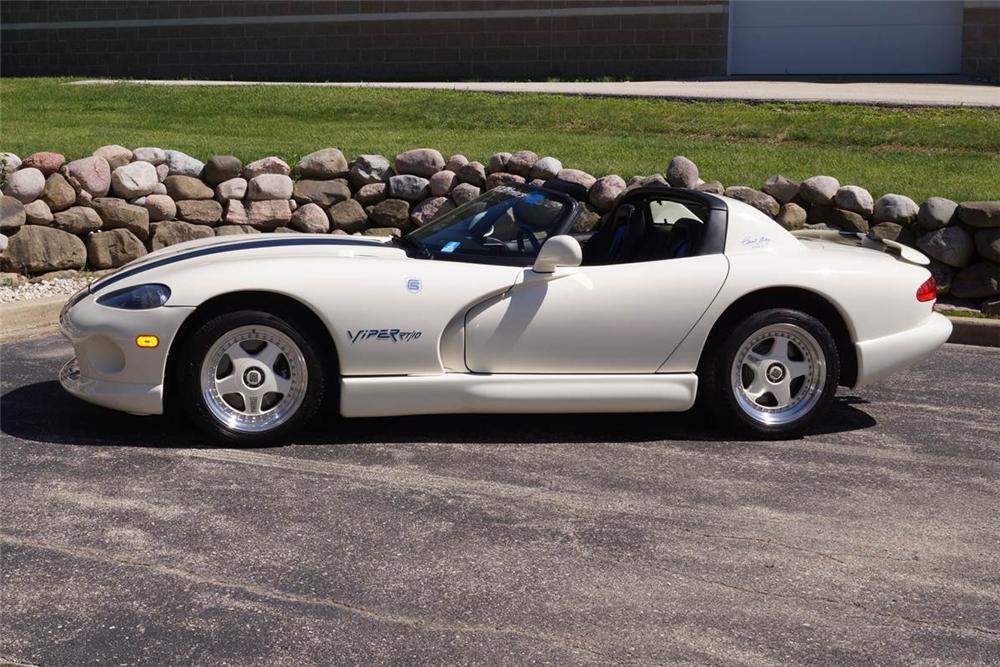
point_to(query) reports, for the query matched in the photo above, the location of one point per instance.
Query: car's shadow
(43, 412)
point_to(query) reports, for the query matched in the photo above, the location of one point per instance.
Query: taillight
(927, 291)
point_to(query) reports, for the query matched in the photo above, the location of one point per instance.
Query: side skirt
(453, 393)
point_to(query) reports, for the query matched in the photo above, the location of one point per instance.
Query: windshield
(506, 224)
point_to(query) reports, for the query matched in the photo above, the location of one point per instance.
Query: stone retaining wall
(109, 208)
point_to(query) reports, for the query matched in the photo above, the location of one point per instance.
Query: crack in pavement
(376, 615)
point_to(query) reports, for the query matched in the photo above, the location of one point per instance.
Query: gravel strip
(29, 291)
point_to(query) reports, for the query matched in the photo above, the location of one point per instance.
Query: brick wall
(366, 40)
(981, 40)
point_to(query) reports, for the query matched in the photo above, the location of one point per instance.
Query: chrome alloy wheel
(778, 374)
(253, 379)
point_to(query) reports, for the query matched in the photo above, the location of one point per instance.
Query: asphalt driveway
(499, 539)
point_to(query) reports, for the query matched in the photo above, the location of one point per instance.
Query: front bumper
(138, 399)
(880, 357)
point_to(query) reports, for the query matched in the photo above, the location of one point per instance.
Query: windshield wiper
(406, 242)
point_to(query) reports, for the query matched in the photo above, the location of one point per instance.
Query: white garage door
(824, 37)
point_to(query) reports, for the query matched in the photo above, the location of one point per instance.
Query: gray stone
(199, 211)
(25, 185)
(456, 162)
(222, 168)
(855, 199)
(383, 231)
(371, 193)
(172, 232)
(546, 168)
(90, 174)
(324, 163)
(65, 274)
(473, 173)
(118, 214)
(819, 190)
(154, 156)
(791, 216)
(987, 243)
(36, 249)
(267, 165)
(232, 230)
(605, 192)
(943, 275)
(269, 214)
(498, 163)
(114, 248)
(895, 208)
(781, 188)
(423, 162)
(892, 231)
(391, 213)
(712, 187)
(443, 182)
(9, 163)
(46, 162)
(980, 213)
(682, 173)
(323, 193)
(38, 213)
(285, 230)
(117, 156)
(234, 188)
(134, 179)
(182, 164)
(58, 194)
(409, 187)
(935, 213)
(77, 220)
(587, 220)
(266, 187)
(368, 169)
(429, 209)
(464, 192)
(160, 207)
(581, 178)
(311, 219)
(348, 216)
(837, 218)
(978, 281)
(499, 178)
(522, 162)
(950, 245)
(236, 213)
(160, 189)
(761, 201)
(187, 188)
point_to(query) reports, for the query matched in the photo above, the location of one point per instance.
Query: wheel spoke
(782, 392)
(779, 349)
(231, 384)
(268, 355)
(797, 369)
(757, 388)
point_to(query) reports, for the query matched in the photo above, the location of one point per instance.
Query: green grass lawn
(918, 152)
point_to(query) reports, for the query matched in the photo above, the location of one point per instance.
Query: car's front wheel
(249, 377)
(774, 373)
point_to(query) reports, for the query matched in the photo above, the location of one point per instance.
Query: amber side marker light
(147, 340)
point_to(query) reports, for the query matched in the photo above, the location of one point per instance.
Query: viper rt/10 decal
(393, 335)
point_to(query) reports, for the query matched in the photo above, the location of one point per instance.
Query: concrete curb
(972, 331)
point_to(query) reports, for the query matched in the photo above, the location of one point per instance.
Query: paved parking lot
(632, 539)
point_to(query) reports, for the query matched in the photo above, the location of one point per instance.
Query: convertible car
(509, 304)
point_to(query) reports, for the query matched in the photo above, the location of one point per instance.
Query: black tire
(726, 390)
(308, 394)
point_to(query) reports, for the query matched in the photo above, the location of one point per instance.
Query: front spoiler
(138, 399)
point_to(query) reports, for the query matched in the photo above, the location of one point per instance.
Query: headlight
(139, 297)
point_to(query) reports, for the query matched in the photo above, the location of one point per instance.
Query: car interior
(645, 230)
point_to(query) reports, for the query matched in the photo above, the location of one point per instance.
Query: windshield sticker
(451, 246)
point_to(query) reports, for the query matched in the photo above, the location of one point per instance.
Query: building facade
(341, 40)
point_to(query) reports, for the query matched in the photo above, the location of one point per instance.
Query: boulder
(324, 163)
(943, 275)
(38, 213)
(267, 165)
(391, 213)
(269, 186)
(711, 187)
(587, 220)
(162, 171)
(761, 201)
(117, 156)
(456, 162)
(9, 163)
(424, 162)
(65, 274)
(950, 245)
(894, 232)
(199, 211)
(854, 199)
(232, 230)
(980, 213)
(781, 188)
(152, 155)
(987, 243)
(90, 174)
(116, 213)
(791, 216)
(683, 173)
(837, 218)
(172, 232)
(221, 168)
(234, 188)
(473, 173)
(383, 231)
(25, 185)
(497, 163)
(935, 213)
(819, 190)
(546, 168)
(409, 187)
(182, 164)
(323, 193)
(522, 162)
(285, 230)
(895, 208)
(187, 188)
(605, 192)
(443, 182)
(36, 249)
(46, 162)
(134, 179)
(368, 169)
(348, 216)
(114, 248)
(464, 192)
(77, 220)
(581, 178)
(499, 178)
(58, 194)
(311, 219)
(429, 209)
(371, 193)
(978, 281)
(236, 213)
(269, 214)
(160, 207)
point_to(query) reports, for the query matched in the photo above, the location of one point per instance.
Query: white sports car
(503, 305)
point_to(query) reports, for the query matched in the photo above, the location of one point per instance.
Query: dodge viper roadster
(508, 304)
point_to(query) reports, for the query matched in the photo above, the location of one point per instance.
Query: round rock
(114, 248)
(978, 281)
(372, 193)
(464, 192)
(38, 213)
(221, 168)
(522, 162)
(323, 193)
(199, 211)
(46, 162)
(980, 213)
(117, 213)
(576, 176)
(456, 162)
(781, 188)
(58, 193)
(267, 165)
(950, 245)
(443, 182)
(36, 249)
(791, 216)
(761, 201)
(172, 232)
(895, 208)
(160, 207)
(25, 185)
(152, 155)
(187, 187)
(347, 216)
(499, 178)
(683, 173)
(429, 209)
(117, 156)
(368, 169)
(90, 174)
(311, 219)
(819, 190)
(935, 213)
(409, 187)
(546, 168)
(269, 186)
(182, 164)
(498, 163)
(987, 243)
(134, 179)
(270, 214)
(605, 192)
(855, 199)
(77, 220)
(424, 162)
(473, 173)
(391, 213)
(324, 163)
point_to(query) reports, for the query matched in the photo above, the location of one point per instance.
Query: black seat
(685, 237)
(618, 237)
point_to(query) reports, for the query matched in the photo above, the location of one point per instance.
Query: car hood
(270, 243)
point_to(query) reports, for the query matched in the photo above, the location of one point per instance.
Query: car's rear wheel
(774, 373)
(250, 377)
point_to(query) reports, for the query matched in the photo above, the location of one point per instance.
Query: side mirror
(559, 250)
